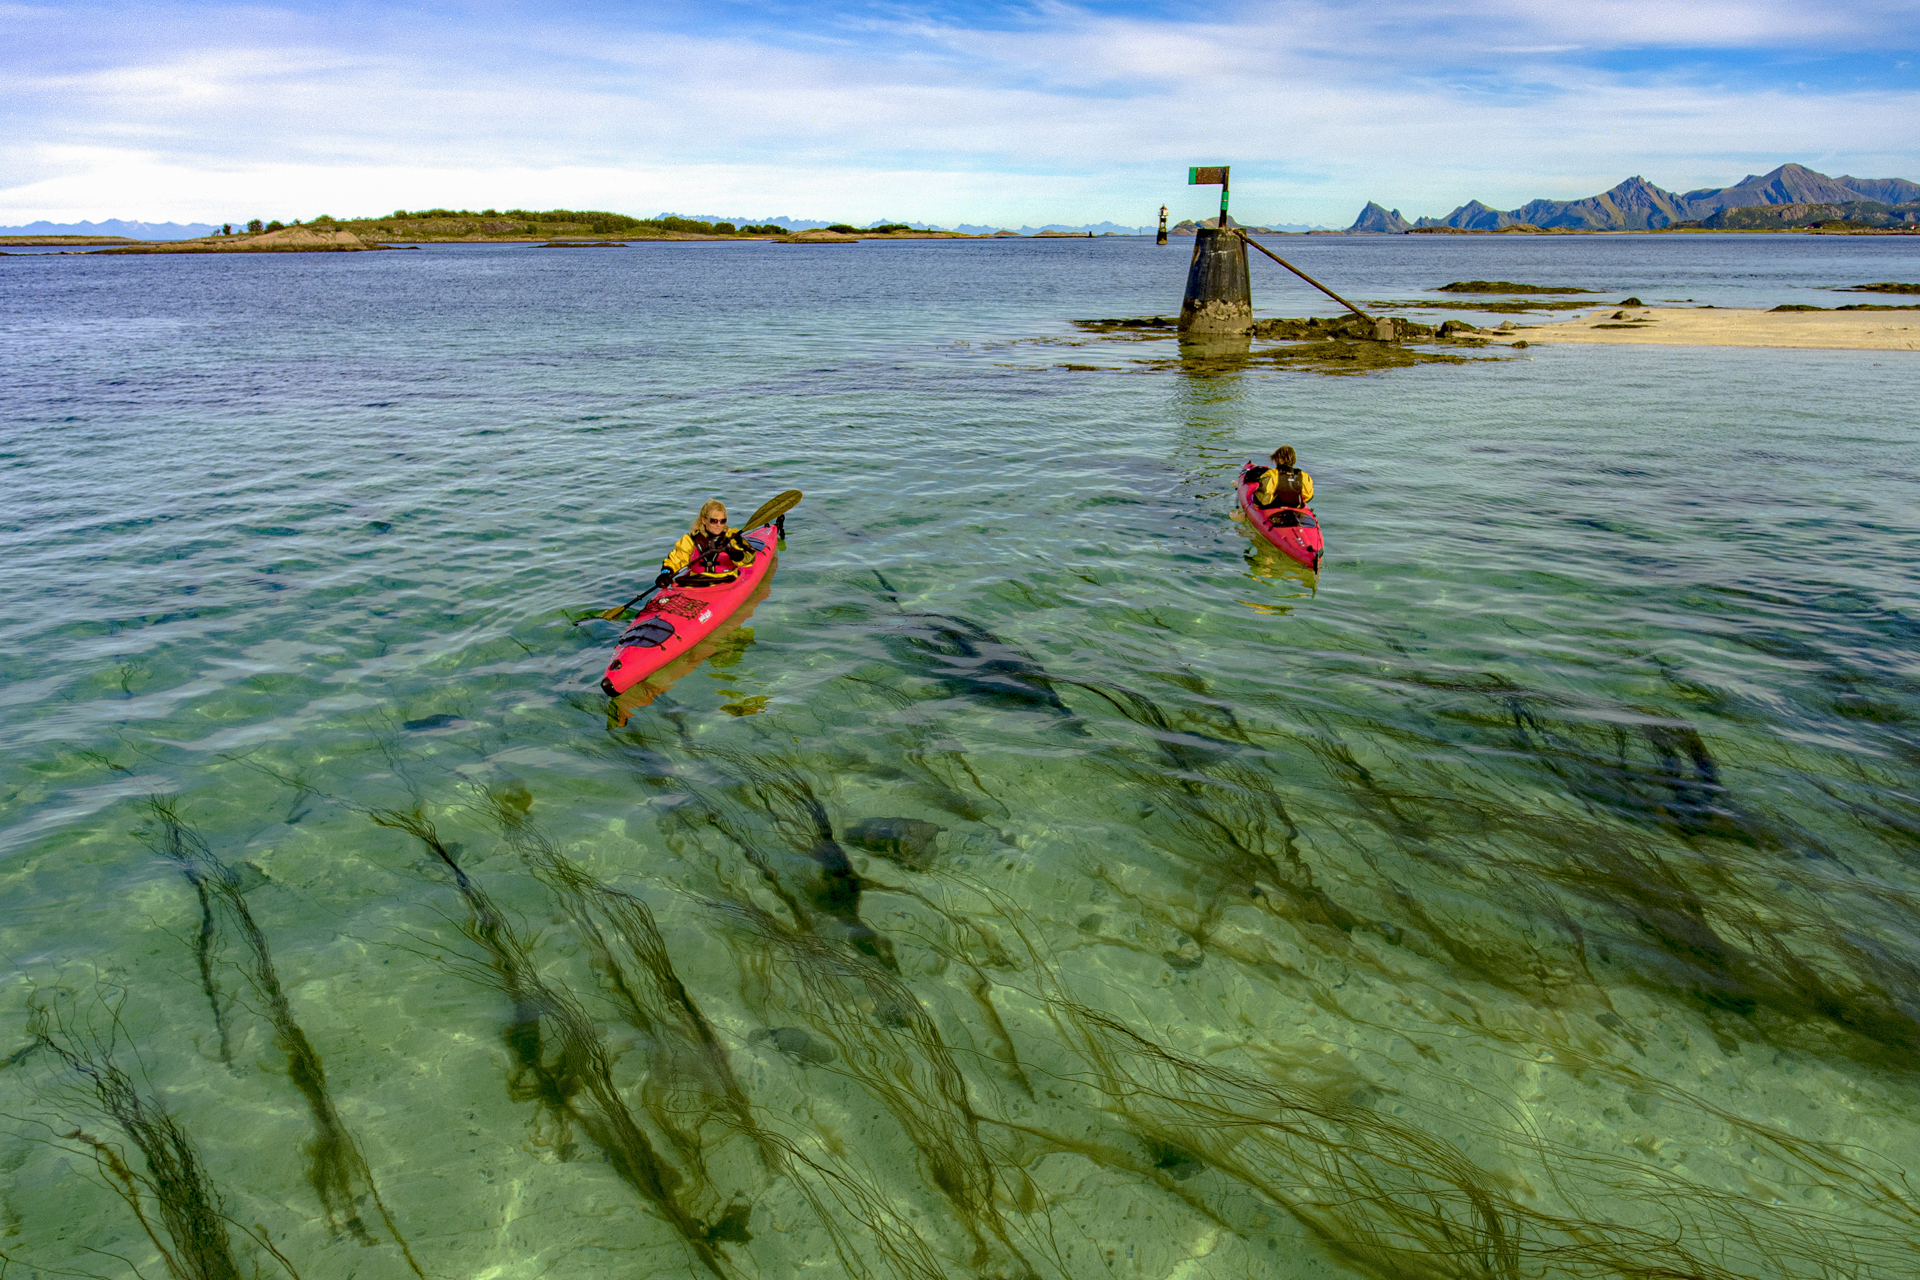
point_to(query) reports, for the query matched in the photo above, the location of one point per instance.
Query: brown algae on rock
(1505, 286)
(1316, 344)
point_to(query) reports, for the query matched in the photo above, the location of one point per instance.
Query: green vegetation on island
(1830, 216)
(525, 224)
(556, 228)
(1884, 286)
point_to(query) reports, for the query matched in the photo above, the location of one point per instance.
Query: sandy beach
(1727, 327)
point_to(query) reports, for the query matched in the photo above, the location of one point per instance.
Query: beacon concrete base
(1219, 294)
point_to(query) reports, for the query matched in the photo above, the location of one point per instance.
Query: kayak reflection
(1268, 562)
(724, 644)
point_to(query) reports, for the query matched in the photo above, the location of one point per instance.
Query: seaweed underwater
(970, 661)
(1392, 1195)
(892, 1048)
(979, 1042)
(691, 1073)
(1655, 869)
(1396, 1198)
(175, 1202)
(690, 1082)
(335, 1167)
(842, 979)
(575, 1081)
(987, 1049)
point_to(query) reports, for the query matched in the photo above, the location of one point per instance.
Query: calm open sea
(1044, 881)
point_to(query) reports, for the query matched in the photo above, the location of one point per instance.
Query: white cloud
(217, 115)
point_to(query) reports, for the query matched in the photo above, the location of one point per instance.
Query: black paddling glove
(666, 576)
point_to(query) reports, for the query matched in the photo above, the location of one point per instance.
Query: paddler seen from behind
(1274, 499)
(1282, 485)
(712, 552)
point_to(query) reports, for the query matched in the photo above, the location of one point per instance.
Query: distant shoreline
(286, 241)
(333, 237)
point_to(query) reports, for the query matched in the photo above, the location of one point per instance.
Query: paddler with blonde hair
(711, 552)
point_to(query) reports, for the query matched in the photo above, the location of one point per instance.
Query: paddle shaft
(1297, 271)
(610, 614)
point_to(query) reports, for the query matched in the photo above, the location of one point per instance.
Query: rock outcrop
(1782, 217)
(1375, 220)
(320, 239)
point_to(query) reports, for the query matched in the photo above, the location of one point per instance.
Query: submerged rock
(803, 1048)
(1178, 1164)
(973, 662)
(909, 841)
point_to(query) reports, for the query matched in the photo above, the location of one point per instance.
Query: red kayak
(680, 617)
(1294, 530)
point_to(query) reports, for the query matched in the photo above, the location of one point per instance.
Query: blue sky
(996, 113)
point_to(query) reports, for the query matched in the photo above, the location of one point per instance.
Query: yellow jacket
(1271, 481)
(689, 547)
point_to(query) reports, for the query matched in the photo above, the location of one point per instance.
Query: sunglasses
(716, 519)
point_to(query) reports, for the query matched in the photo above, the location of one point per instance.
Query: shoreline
(307, 239)
(1726, 327)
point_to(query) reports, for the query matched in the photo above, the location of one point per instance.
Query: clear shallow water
(1535, 896)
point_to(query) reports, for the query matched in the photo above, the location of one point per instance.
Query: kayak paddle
(617, 610)
(772, 509)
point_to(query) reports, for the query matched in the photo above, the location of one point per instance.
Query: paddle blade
(611, 614)
(772, 509)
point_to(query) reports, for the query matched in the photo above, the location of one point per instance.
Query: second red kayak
(1294, 530)
(679, 617)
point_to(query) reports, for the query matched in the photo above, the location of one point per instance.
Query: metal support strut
(1297, 271)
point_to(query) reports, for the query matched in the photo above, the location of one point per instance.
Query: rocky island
(558, 228)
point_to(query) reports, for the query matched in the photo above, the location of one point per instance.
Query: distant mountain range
(1638, 205)
(807, 224)
(1187, 226)
(115, 227)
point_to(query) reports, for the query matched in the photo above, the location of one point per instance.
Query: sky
(954, 111)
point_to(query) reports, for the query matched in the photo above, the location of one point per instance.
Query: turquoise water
(1532, 893)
